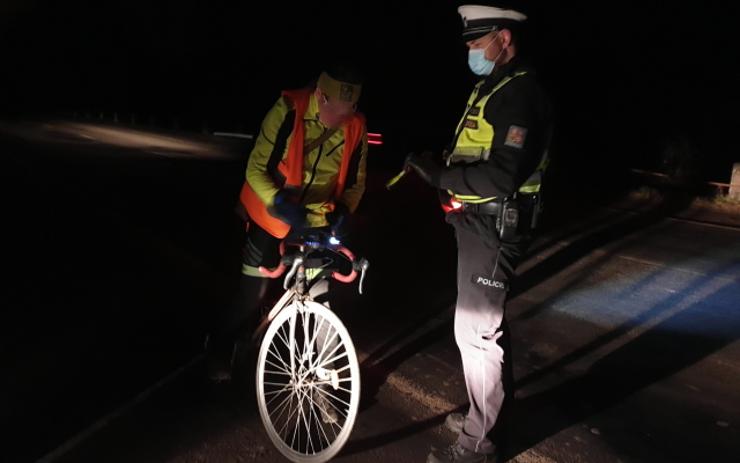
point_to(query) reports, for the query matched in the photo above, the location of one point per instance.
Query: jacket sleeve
(257, 176)
(516, 115)
(356, 176)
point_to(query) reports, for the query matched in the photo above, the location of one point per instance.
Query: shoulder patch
(516, 136)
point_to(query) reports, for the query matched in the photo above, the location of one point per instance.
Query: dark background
(104, 298)
(636, 83)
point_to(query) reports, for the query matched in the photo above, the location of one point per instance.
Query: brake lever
(363, 265)
(297, 262)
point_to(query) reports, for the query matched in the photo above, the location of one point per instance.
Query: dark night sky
(629, 78)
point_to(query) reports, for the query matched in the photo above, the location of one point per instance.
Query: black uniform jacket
(519, 108)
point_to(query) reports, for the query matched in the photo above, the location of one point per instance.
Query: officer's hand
(338, 218)
(425, 167)
(287, 208)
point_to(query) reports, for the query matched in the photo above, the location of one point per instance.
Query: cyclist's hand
(287, 208)
(338, 219)
(425, 167)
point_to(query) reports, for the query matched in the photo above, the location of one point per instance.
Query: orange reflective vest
(291, 166)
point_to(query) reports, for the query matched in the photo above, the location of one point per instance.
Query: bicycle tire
(298, 387)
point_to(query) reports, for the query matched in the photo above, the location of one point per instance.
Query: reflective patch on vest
(516, 136)
(489, 282)
(471, 124)
(474, 111)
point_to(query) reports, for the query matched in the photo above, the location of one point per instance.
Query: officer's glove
(338, 219)
(287, 208)
(423, 164)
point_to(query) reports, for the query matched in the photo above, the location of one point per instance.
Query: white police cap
(479, 20)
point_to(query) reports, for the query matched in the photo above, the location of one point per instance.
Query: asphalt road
(624, 324)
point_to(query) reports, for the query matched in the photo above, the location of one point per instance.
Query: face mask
(478, 62)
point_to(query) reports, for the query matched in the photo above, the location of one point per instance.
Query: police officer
(306, 170)
(492, 176)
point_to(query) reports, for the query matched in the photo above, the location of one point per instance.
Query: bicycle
(308, 376)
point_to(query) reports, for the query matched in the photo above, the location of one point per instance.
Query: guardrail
(731, 189)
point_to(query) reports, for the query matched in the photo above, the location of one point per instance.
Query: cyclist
(307, 169)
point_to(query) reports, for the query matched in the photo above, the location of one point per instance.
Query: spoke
(312, 420)
(304, 354)
(297, 421)
(291, 339)
(331, 426)
(328, 339)
(287, 420)
(285, 366)
(304, 422)
(276, 394)
(287, 387)
(328, 383)
(274, 348)
(274, 384)
(316, 330)
(327, 393)
(272, 372)
(321, 426)
(316, 327)
(285, 428)
(333, 360)
(305, 321)
(296, 355)
(307, 422)
(280, 333)
(339, 370)
(327, 343)
(314, 406)
(280, 405)
(323, 432)
(283, 405)
(320, 363)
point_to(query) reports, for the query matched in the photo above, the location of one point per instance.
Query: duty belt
(489, 208)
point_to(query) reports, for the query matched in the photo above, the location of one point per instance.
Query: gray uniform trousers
(485, 268)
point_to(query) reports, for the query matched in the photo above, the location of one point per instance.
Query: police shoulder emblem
(516, 136)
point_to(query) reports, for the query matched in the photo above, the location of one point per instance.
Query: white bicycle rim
(289, 386)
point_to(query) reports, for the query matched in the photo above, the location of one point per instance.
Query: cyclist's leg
(326, 343)
(242, 315)
(325, 339)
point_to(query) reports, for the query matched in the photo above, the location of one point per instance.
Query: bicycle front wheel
(308, 382)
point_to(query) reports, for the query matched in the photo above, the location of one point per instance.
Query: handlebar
(353, 274)
(317, 242)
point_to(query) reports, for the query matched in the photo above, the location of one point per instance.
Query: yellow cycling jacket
(334, 171)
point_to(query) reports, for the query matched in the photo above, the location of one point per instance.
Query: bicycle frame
(300, 288)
